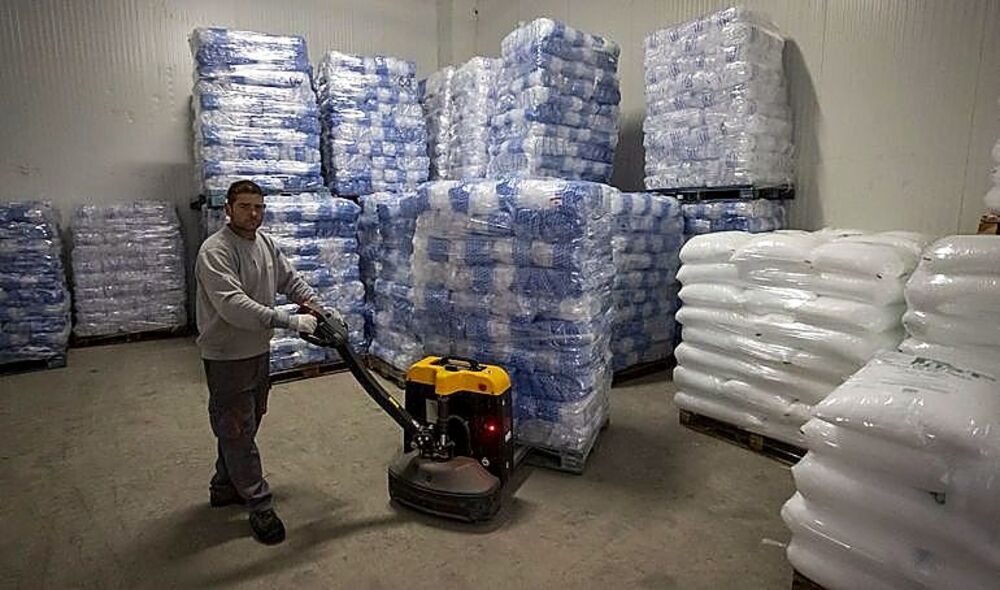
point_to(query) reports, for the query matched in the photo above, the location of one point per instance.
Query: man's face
(246, 212)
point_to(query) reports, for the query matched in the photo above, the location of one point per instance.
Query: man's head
(245, 206)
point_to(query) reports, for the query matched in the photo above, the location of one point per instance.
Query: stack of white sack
(899, 488)
(953, 303)
(772, 323)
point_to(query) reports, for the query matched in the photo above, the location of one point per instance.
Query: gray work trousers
(237, 400)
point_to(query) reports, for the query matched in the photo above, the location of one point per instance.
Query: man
(239, 269)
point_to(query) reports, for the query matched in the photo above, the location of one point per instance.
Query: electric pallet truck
(458, 448)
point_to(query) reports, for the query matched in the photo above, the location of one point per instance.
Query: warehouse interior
(894, 119)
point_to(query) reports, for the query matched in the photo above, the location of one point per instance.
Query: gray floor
(104, 468)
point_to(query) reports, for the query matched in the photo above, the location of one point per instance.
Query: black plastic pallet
(800, 582)
(574, 462)
(642, 370)
(718, 193)
(386, 370)
(758, 443)
(30, 366)
(107, 339)
(308, 371)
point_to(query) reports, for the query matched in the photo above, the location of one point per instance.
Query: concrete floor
(104, 468)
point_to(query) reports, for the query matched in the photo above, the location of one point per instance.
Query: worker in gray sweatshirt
(239, 270)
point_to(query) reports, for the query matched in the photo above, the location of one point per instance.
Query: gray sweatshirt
(237, 281)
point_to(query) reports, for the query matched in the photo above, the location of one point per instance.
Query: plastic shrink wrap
(374, 132)
(717, 110)
(474, 93)
(772, 323)
(899, 488)
(647, 235)
(519, 273)
(754, 216)
(34, 300)
(437, 100)
(128, 269)
(557, 100)
(255, 113)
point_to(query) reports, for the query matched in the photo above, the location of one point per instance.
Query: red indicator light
(491, 427)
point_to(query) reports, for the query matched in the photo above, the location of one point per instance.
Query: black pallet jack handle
(331, 332)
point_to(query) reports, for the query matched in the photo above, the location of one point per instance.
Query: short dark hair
(242, 187)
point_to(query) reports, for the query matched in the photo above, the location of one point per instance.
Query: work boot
(267, 527)
(220, 498)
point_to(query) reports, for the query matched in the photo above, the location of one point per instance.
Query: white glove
(302, 322)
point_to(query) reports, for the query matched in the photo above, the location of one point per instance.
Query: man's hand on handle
(303, 322)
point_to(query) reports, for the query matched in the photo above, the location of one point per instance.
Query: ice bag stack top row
(439, 105)
(519, 273)
(128, 269)
(647, 235)
(255, 113)
(772, 323)
(556, 105)
(717, 110)
(899, 488)
(388, 224)
(953, 303)
(34, 300)
(474, 97)
(318, 235)
(374, 133)
(754, 216)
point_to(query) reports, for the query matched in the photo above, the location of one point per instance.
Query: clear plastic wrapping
(899, 487)
(754, 216)
(474, 91)
(255, 112)
(34, 300)
(128, 269)
(717, 104)
(557, 83)
(772, 323)
(374, 132)
(992, 197)
(439, 106)
(520, 273)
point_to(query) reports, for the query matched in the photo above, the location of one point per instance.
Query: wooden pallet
(389, 372)
(106, 339)
(743, 192)
(800, 582)
(29, 366)
(308, 371)
(642, 370)
(758, 443)
(574, 462)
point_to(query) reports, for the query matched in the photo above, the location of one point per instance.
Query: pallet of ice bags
(647, 235)
(772, 323)
(899, 487)
(374, 132)
(754, 216)
(387, 249)
(438, 103)
(318, 235)
(34, 300)
(474, 96)
(557, 103)
(128, 269)
(255, 113)
(953, 302)
(717, 110)
(519, 273)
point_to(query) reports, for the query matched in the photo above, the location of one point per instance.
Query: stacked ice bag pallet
(439, 105)
(473, 94)
(717, 111)
(754, 216)
(128, 269)
(772, 323)
(992, 198)
(557, 104)
(953, 303)
(387, 253)
(34, 301)
(255, 114)
(519, 273)
(374, 133)
(318, 235)
(647, 235)
(899, 488)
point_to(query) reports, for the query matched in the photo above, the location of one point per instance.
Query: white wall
(895, 100)
(94, 95)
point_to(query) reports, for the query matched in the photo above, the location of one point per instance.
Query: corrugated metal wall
(895, 100)
(94, 95)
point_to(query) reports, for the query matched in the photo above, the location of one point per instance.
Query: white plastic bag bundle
(773, 322)
(899, 487)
